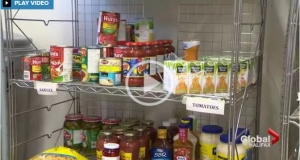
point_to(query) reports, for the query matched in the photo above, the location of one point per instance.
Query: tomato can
(32, 67)
(119, 51)
(45, 65)
(107, 52)
(110, 65)
(77, 62)
(110, 78)
(90, 64)
(61, 58)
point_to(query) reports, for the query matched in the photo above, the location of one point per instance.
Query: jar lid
(186, 120)
(245, 131)
(147, 122)
(119, 128)
(127, 124)
(129, 43)
(112, 120)
(129, 133)
(132, 119)
(214, 129)
(166, 123)
(140, 128)
(162, 127)
(158, 43)
(74, 116)
(106, 132)
(151, 43)
(226, 139)
(111, 146)
(167, 41)
(183, 126)
(173, 121)
(92, 119)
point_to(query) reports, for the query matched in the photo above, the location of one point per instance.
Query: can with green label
(76, 68)
(90, 64)
(45, 64)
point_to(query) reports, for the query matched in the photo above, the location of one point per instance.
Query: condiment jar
(105, 136)
(118, 132)
(130, 146)
(224, 144)
(209, 139)
(91, 129)
(109, 122)
(73, 131)
(150, 131)
(128, 125)
(134, 120)
(144, 139)
(161, 148)
(183, 147)
(247, 144)
(111, 151)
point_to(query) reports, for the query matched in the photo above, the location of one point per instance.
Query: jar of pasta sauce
(109, 122)
(132, 70)
(144, 139)
(150, 130)
(111, 151)
(119, 132)
(130, 146)
(128, 125)
(160, 53)
(119, 51)
(134, 120)
(105, 136)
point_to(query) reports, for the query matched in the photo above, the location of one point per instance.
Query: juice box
(178, 74)
(244, 75)
(194, 77)
(209, 77)
(223, 74)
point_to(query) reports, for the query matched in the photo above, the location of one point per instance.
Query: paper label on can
(109, 79)
(110, 65)
(151, 66)
(160, 59)
(61, 64)
(137, 70)
(92, 60)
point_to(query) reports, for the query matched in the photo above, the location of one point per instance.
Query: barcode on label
(26, 75)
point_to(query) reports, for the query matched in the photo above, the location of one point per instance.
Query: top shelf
(155, 93)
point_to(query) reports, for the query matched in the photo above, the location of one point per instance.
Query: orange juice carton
(195, 72)
(223, 74)
(208, 80)
(244, 73)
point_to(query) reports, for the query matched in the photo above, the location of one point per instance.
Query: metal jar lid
(132, 119)
(92, 119)
(147, 122)
(106, 132)
(74, 117)
(130, 133)
(140, 128)
(127, 124)
(119, 128)
(112, 120)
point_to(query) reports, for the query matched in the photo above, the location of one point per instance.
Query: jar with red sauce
(130, 146)
(111, 151)
(105, 136)
(151, 57)
(167, 44)
(134, 120)
(128, 125)
(144, 139)
(160, 53)
(119, 51)
(109, 122)
(132, 70)
(119, 132)
(150, 130)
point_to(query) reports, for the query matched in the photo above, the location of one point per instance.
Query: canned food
(90, 64)
(77, 62)
(61, 63)
(107, 52)
(32, 67)
(130, 33)
(110, 65)
(110, 78)
(119, 51)
(45, 65)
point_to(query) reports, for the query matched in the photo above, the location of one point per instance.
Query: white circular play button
(150, 84)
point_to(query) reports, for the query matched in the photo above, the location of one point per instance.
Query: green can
(91, 129)
(90, 64)
(45, 65)
(76, 68)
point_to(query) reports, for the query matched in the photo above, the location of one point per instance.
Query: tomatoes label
(161, 154)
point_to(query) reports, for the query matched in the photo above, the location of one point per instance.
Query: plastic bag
(61, 153)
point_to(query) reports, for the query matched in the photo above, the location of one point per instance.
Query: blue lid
(182, 125)
(215, 129)
(224, 139)
(240, 130)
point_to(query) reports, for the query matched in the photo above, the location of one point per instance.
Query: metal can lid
(132, 119)
(106, 132)
(166, 123)
(63, 46)
(112, 120)
(119, 128)
(147, 122)
(130, 133)
(111, 146)
(92, 119)
(140, 128)
(74, 117)
(127, 124)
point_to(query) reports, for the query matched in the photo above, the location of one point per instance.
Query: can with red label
(32, 67)
(119, 51)
(61, 59)
(107, 52)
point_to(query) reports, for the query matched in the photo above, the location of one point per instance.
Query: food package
(143, 30)
(61, 153)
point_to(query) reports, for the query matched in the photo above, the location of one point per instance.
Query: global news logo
(6, 3)
(261, 141)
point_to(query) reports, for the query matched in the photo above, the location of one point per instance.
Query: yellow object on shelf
(61, 153)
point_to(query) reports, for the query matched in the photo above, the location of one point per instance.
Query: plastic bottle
(245, 141)
(192, 138)
(170, 132)
(161, 148)
(222, 148)
(183, 147)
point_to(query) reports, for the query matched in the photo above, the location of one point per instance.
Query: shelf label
(45, 88)
(205, 105)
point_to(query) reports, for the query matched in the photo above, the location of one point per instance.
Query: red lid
(129, 43)
(73, 117)
(158, 43)
(166, 41)
(112, 120)
(151, 43)
(92, 119)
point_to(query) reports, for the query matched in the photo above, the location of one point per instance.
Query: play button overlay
(6, 3)
(151, 86)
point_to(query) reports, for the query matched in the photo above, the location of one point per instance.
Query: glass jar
(150, 131)
(242, 133)
(111, 151)
(209, 139)
(131, 57)
(105, 136)
(118, 132)
(73, 131)
(109, 122)
(128, 125)
(151, 57)
(91, 129)
(134, 120)
(183, 147)
(222, 148)
(160, 52)
(119, 51)
(130, 146)
(144, 139)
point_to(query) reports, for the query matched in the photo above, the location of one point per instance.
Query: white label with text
(45, 88)
(205, 105)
